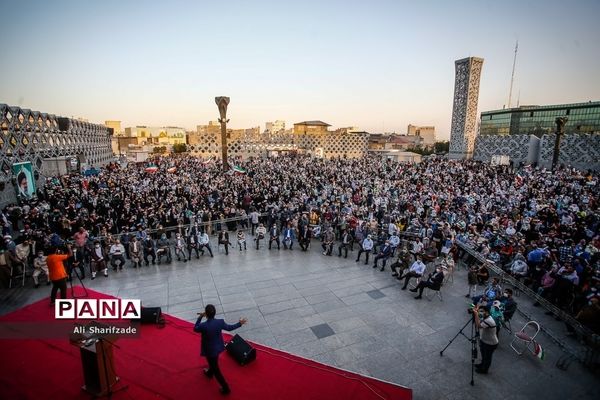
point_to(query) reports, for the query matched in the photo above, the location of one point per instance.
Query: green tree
(179, 148)
(442, 147)
(159, 149)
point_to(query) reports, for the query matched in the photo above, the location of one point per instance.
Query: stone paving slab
(378, 330)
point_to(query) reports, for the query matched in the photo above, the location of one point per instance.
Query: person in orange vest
(57, 272)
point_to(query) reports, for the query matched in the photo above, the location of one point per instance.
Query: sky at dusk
(378, 65)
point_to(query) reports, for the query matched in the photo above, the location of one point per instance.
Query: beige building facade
(427, 134)
(275, 126)
(115, 126)
(308, 137)
(310, 127)
(156, 136)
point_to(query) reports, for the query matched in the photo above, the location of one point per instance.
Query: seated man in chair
(434, 282)
(404, 261)
(117, 255)
(98, 258)
(430, 253)
(490, 293)
(417, 269)
(163, 249)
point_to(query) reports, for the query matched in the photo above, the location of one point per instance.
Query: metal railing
(221, 221)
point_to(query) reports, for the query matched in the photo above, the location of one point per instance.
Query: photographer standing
(488, 340)
(57, 272)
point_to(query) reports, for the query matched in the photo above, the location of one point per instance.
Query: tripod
(472, 339)
(85, 292)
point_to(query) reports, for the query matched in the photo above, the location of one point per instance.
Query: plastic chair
(15, 275)
(416, 282)
(526, 336)
(437, 292)
(449, 272)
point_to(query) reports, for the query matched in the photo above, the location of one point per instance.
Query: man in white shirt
(510, 230)
(40, 266)
(366, 247)
(254, 220)
(394, 242)
(261, 231)
(416, 270)
(135, 252)
(519, 268)
(488, 338)
(417, 246)
(116, 254)
(180, 247)
(22, 251)
(392, 228)
(204, 241)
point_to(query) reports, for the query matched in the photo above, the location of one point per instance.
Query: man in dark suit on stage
(212, 342)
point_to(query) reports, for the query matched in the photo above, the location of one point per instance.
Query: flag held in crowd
(518, 180)
(239, 170)
(151, 168)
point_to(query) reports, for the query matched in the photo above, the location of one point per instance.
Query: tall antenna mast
(512, 77)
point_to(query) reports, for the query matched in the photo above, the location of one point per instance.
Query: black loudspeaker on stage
(241, 350)
(151, 315)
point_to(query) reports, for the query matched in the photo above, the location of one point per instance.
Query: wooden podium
(98, 366)
(97, 363)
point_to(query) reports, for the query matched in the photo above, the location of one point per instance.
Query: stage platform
(165, 363)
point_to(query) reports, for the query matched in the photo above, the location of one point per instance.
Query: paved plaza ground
(346, 314)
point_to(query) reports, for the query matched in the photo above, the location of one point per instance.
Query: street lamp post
(222, 103)
(560, 130)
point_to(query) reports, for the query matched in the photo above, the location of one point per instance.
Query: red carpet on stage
(166, 364)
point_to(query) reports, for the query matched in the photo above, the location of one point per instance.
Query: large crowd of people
(540, 226)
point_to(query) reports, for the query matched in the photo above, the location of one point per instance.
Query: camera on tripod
(471, 309)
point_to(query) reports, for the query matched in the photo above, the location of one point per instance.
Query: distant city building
(464, 110)
(527, 134)
(115, 126)
(308, 137)
(122, 144)
(349, 129)
(246, 134)
(379, 141)
(398, 156)
(426, 133)
(310, 127)
(156, 136)
(274, 127)
(212, 127)
(540, 120)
